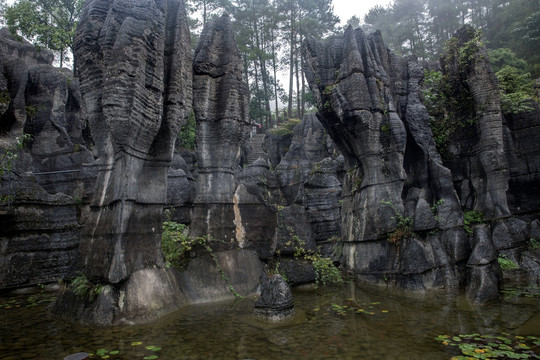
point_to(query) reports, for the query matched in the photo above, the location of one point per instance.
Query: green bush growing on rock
(187, 134)
(10, 154)
(470, 218)
(506, 264)
(84, 288)
(176, 245)
(327, 272)
(286, 128)
(404, 227)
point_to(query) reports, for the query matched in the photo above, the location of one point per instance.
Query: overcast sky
(345, 9)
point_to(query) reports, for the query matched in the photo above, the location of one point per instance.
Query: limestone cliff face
(222, 115)
(42, 195)
(396, 186)
(135, 68)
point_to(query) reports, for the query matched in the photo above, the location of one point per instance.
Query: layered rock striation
(43, 189)
(135, 68)
(223, 126)
(401, 215)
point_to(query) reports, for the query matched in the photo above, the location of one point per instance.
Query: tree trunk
(291, 65)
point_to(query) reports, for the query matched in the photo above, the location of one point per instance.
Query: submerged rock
(276, 302)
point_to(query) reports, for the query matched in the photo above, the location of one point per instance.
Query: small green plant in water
(506, 264)
(364, 308)
(476, 346)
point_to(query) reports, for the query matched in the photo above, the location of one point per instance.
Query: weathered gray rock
(297, 271)
(322, 193)
(203, 281)
(308, 145)
(522, 151)
(369, 103)
(135, 71)
(42, 195)
(276, 302)
(483, 143)
(294, 231)
(223, 127)
(254, 216)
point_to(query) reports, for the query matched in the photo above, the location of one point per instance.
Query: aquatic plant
(147, 352)
(478, 346)
(351, 306)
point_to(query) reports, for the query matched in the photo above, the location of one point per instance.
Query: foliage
(517, 90)
(534, 244)
(10, 154)
(528, 292)
(470, 218)
(176, 246)
(148, 352)
(327, 272)
(364, 308)
(45, 23)
(175, 242)
(84, 288)
(504, 56)
(476, 346)
(286, 128)
(506, 264)
(421, 27)
(187, 134)
(404, 225)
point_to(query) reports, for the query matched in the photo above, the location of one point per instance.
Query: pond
(350, 321)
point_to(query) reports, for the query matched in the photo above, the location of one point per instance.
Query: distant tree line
(270, 34)
(421, 27)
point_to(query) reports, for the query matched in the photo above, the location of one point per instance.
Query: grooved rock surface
(41, 196)
(223, 126)
(396, 186)
(135, 69)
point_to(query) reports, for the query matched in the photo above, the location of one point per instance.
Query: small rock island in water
(363, 187)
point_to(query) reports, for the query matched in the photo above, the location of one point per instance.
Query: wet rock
(322, 193)
(276, 301)
(204, 282)
(297, 271)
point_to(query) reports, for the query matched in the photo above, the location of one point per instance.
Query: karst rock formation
(135, 65)
(402, 218)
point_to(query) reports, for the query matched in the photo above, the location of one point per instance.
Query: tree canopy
(271, 33)
(46, 23)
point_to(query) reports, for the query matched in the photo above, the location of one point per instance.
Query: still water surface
(352, 321)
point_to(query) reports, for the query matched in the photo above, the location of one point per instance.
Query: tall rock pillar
(222, 113)
(135, 70)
